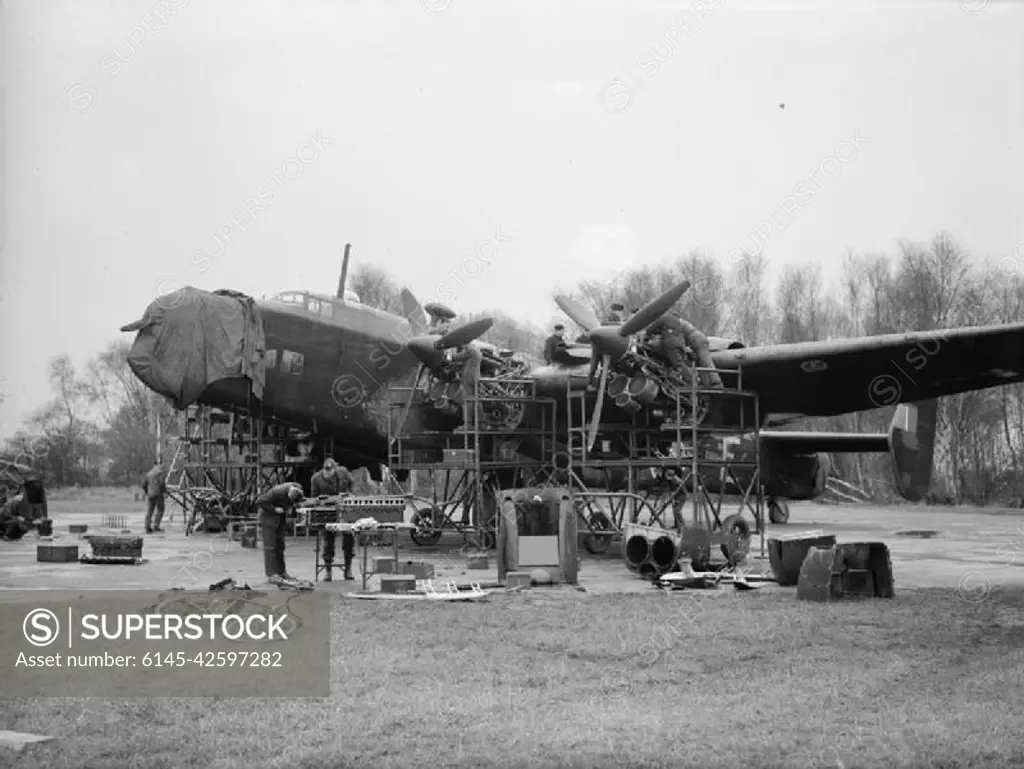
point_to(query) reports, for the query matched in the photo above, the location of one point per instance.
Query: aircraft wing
(845, 375)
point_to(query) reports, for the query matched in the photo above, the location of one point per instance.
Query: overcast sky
(591, 133)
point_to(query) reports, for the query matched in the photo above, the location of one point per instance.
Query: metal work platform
(222, 463)
(465, 468)
(658, 459)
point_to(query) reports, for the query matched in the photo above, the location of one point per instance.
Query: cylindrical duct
(636, 551)
(663, 553)
(642, 388)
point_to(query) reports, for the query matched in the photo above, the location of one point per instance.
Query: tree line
(101, 424)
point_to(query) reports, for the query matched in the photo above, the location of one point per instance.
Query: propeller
(611, 342)
(428, 349)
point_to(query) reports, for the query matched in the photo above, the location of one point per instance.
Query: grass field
(559, 678)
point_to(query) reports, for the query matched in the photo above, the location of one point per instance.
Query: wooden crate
(116, 547)
(56, 553)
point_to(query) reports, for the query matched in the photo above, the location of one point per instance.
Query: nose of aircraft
(190, 338)
(166, 330)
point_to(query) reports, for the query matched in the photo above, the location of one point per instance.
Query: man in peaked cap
(553, 343)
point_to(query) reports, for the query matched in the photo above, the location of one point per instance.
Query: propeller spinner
(610, 342)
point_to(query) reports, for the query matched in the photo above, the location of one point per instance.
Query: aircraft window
(270, 358)
(292, 362)
(292, 298)
(327, 309)
(314, 306)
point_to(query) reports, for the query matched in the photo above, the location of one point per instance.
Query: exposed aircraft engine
(502, 380)
(639, 378)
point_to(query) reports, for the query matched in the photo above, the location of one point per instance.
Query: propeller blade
(413, 311)
(464, 334)
(595, 419)
(653, 310)
(581, 315)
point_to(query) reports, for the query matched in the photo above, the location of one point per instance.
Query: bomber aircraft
(325, 364)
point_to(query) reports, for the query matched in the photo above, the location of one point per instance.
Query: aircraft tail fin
(912, 446)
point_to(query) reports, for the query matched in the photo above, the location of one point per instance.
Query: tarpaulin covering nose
(190, 339)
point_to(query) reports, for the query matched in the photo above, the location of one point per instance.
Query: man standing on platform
(330, 482)
(274, 506)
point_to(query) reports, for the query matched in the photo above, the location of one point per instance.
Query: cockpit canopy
(317, 304)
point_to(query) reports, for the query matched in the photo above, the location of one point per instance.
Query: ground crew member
(330, 482)
(154, 486)
(672, 345)
(274, 507)
(702, 352)
(554, 344)
(470, 358)
(677, 492)
(12, 523)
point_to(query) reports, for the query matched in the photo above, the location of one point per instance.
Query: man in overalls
(330, 482)
(274, 507)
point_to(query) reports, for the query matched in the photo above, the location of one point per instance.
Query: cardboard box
(383, 565)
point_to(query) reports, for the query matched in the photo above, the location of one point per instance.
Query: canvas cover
(15, 475)
(191, 338)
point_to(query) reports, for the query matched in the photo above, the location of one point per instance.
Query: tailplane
(912, 445)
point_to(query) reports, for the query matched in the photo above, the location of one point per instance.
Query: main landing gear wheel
(424, 534)
(598, 543)
(778, 512)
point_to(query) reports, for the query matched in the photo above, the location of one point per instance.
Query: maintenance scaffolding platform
(223, 462)
(465, 468)
(698, 461)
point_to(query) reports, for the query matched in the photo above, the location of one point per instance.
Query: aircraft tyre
(778, 512)
(598, 544)
(737, 529)
(424, 534)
